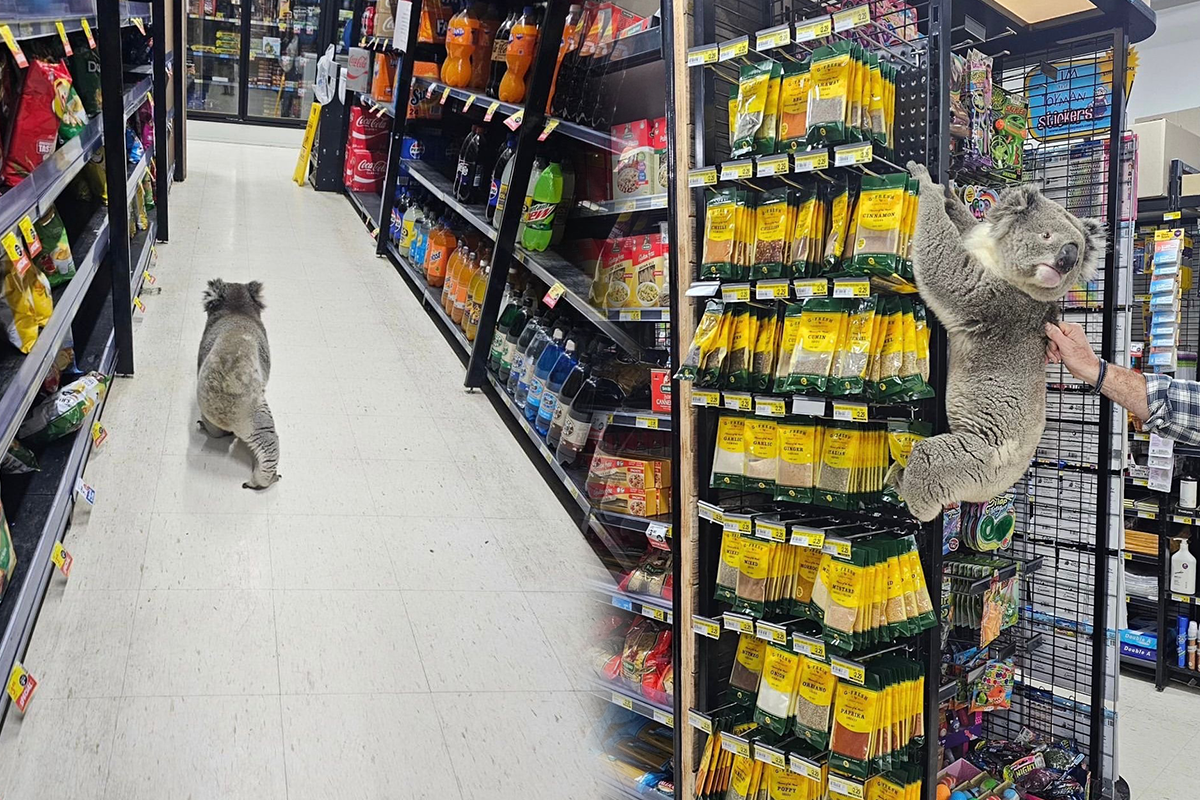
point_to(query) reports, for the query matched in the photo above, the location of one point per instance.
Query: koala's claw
(249, 485)
(918, 171)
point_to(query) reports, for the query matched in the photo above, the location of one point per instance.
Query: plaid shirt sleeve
(1174, 408)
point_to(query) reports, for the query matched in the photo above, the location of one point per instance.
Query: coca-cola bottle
(499, 52)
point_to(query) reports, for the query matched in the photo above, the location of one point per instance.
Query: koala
(993, 285)
(232, 371)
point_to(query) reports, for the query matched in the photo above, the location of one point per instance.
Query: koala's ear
(214, 295)
(254, 288)
(1017, 199)
(1095, 247)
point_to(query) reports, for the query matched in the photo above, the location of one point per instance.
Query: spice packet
(855, 717)
(814, 702)
(736, 370)
(804, 231)
(753, 89)
(821, 325)
(762, 454)
(765, 347)
(853, 355)
(771, 215)
(839, 210)
(831, 75)
(720, 232)
(789, 338)
(798, 453)
(765, 136)
(753, 575)
(747, 668)
(728, 566)
(702, 341)
(712, 361)
(776, 701)
(879, 216)
(793, 106)
(808, 564)
(729, 454)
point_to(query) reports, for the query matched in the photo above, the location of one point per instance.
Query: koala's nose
(1067, 256)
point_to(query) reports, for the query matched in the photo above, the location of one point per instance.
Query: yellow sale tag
(706, 398)
(32, 240)
(850, 18)
(514, 121)
(61, 559)
(814, 29)
(629, 316)
(141, 26)
(1169, 215)
(774, 165)
(704, 54)
(20, 687)
(14, 251)
(150, 279)
(470, 101)
(137, 301)
(18, 53)
(62, 34)
(853, 154)
(734, 49)
(87, 31)
(704, 176)
(736, 293)
(646, 422)
(808, 162)
(770, 406)
(556, 291)
(622, 701)
(736, 170)
(445, 96)
(99, 435)
(706, 627)
(850, 412)
(855, 288)
(551, 124)
(487, 117)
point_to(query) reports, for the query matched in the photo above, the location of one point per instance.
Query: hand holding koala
(993, 286)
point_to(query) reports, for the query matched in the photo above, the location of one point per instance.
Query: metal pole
(536, 94)
(243, 85)
(112, 88)
(1164, 592)
(158, 30)
(179, 87)
(400, 94)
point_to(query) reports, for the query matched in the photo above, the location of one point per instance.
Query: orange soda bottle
(466, 275)
(441, 244)
(475, 298)
(522, 43)
(452, 267)
(485, 37)
(460, 45)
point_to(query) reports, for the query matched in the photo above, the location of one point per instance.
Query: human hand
(1069, 346)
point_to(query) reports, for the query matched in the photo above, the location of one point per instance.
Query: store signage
(1069, 98)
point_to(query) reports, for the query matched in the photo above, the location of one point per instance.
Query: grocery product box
(628, 471)
(660, 391)
(638, 502)
(658, 145)
(648, 276)
(385, 18)
(633, 167)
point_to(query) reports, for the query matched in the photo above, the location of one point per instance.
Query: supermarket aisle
(1158, 738)
(400, 617)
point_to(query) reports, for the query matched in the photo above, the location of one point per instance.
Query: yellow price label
(772, 290)
(1170, 215)
(850, 18)
(654, 613)
(811, 161)
(150, 279)
(62, 34)
(32, 240)
(813, 29)
(555, 292)
(769, 755)
(20, 687)
(836, 547)
(19, 54)
(774, 531)
(770, 38)
(622, 701)
(850, 412)
(445, 96)
(87, 31)
(703, 54)
(141, 26)
(813, 648)
(802, 766)
(706, 627)
(736, 293)
(633, 315)
(61, 559)
(15, 252)
(99, 435)
(137, 301)
(807, 537)
(853, 154)
(548, 129)
(646, 422)
(704, 176)
(734, 49)
(1167, 235)
(773, 165)
(699, 721)
(811, 287)
(737, 170)
(710, 512)
(741, 748)
(470, 101)
(739, 624)
(515, 120)
(664, 718)
(738, 401)
(859, 288)
(770, 406)
(491, 110)
(848, 670)
(847, 788)
(705, 398)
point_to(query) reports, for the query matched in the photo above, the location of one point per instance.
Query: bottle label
(575, 433)
(540, 215)
(473, 313)
(518, 365)
(535, 392)
(499, 48)
(493, 194)
(560, 411)
(406, 237)
(510, 351)
(548, 405)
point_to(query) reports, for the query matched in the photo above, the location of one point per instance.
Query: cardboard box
(638, 502)
(633, 168)
(1160, 141)
(658, 144)
(609, 472)
(660, 391)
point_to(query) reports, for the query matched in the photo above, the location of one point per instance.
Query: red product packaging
(594, 171)
(368, 129)
(660, 391)
(658, 147)
(632, 165)
(35, 128)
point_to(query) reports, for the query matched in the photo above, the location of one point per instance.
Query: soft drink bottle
(468, 177)
(485, 35)
(539, 217)
(504, 322)
(452, 268)
(497, 175)
(475, 301)
(441, 245)
(541, 374)
(499, 52)
(466, 273)
(502, 198)
(517, 376)
(516, 326)
(539, 342)
(460, 44)
(571, 38)
(539, 164)
(566, 396)
(564, 205)
(554, 384)
(522, 44)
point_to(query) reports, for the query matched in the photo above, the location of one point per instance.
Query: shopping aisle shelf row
(622, 696)
(431, 298)
(656, 608)
(36, 22)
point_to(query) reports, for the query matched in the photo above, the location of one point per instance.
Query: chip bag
(8, 556)
(65, 411)
(55, 259)
(72, 116)
(34, 134)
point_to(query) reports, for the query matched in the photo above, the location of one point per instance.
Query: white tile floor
(1158, 738)
(399, 617)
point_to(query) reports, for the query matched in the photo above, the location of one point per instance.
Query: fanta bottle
(462, 289)
(522, 42)
(460, 45)
(452, 267)
(441, 245)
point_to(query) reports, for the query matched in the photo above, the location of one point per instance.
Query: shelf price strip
(735, 48)
(706, 627)
(847, 155)
(813, 29)
(850, 18)
(704, 176)
(703, 54)
(770, 38)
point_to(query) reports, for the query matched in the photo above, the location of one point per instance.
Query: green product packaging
(754, 86)
(771, 234)
(879, 225)
(85, 74)
(849, 372)
(855, 720)
(729, 453)
(19, 460)
(814, 702)
(821, 327)
(840, 208)
(55, 258)
(722, 211)
(788, 339)
(831, 94)
(8, 556)
(736, 371)
(63, 412)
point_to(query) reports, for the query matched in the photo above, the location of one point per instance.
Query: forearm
(1127, 389)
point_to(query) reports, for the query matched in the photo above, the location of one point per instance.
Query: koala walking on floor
(993, 285)
(233, 367)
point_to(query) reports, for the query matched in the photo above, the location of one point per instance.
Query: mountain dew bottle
(539, 217)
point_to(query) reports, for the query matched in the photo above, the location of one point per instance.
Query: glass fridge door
(284, 47)
(214, 36)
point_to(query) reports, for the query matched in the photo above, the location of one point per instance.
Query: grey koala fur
(992, 285)
(232, 371)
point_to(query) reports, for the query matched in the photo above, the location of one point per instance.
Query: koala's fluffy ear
(214, 295)
(1017, 199)
(254, 289)
(1097, 244)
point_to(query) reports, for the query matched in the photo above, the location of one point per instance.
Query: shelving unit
(95, 307)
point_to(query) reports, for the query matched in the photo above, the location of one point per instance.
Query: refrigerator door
(284, 46)
(214, 36)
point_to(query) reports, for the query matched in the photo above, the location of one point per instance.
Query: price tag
(625, 206)
(514, 121)
(99, 435)
(137, 302)
(85, 491)
(807, 537)
(769, 755)
(772, 531)
(810, 161)
(622, 701)
(32, 242)
(87, 31)
(846, 155)
(150, 279)
(429, 92)
(706, 627)
(770, 406)
(849, 18)
(808, 406)
(657, 534)
(734, 48)
(1178, 598)
(141, 26)
(646, 422)
(710, 512)
(738, 523)
(813, 648)
(1159, 236)
(622, 603)
(735, 170)
(859, 288)
(811, 287)
(61, 559)
(773, 165)
(704, 176)
(664, 718)
(736, 293)
(655, 613)
(772, 290)
(18, 53)
(703, 54)
(836, 547)
(850, 412)
(736, 622)
(802, 766)
(445, 96)
(1170, 215)
(62, 34)
(738, 401)
(629, 316)
(706, 398)
(15, 252)
(770, 633)
(491, 110)
(813, 29)
(700, 721)
(736, 745)
(470, 101)
(770, 38)
(848, 670)
(556, 291)
(20, 685)
(551, 124)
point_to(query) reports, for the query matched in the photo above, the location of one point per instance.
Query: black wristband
(1100, 376)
